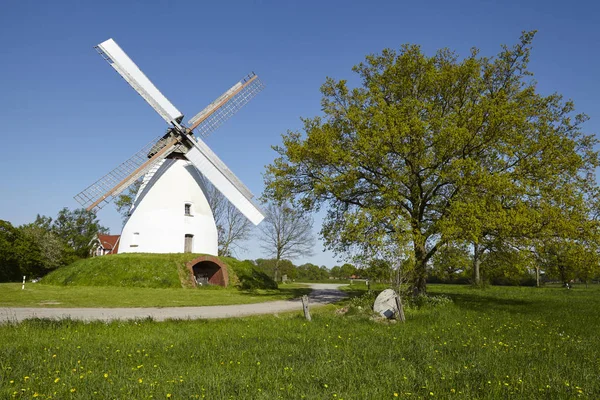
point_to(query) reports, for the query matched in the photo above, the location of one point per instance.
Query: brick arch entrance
(208, 270)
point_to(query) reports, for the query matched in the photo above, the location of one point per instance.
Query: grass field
(502, 342)
(37, 295)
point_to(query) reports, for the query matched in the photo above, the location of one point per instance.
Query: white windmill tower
(171, 213)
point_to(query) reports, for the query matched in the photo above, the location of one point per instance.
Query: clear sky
(67, 118)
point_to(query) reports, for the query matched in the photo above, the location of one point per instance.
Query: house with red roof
(103, 245)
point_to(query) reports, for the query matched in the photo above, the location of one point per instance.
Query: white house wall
(158, 223)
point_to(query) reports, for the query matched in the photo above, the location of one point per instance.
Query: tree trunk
(420, 272)
(476, 265)
(276, 272)
(537, 276)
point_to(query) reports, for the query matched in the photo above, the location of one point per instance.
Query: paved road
(323, 293)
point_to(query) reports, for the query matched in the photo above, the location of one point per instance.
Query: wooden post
(305, 307)
(400, 315)
(23, 287)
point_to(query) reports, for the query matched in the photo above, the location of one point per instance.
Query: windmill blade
(224, 180)
(225, 105)
(118, 59)
(101, 192)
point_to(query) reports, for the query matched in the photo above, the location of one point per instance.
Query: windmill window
(188, 209)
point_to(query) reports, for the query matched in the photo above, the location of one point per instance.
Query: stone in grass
(385, 304)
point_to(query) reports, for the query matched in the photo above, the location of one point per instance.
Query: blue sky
(67, 118)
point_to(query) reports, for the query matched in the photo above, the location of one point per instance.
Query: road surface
(323, 293)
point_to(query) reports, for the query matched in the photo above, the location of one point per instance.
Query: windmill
(171, 213)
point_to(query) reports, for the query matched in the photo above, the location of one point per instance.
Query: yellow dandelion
(395, 394)
(106, 375)
(73, 390)
(140, 380)
(56, 380)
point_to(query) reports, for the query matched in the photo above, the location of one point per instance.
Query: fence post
(400, 309)
(305, 307)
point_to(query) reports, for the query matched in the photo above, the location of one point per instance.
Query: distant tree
(54, 252)
(286, 233)
(286, 267)
(18, 254)
(124, 201)
(347, 270)
(77, 228)
(379, 270)
(336, 272)
(421, 140)
(232, 227)
(566, 260)
(312, 272)
(451, 261)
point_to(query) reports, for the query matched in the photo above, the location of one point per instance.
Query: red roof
(110, 242)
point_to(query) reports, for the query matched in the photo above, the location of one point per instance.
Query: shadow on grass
(289, 293)
(481, 302)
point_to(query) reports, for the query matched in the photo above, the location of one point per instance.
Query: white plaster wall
(159, 214)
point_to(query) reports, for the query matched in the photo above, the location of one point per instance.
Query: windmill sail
(224, 180)
(101, 192)
(121, 62)
(220, 110)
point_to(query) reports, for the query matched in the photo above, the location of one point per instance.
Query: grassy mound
(125, 270)
(247, 276)
(146, 270)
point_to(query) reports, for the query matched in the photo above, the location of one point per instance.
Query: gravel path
(323, 293)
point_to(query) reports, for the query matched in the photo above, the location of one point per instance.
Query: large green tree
(426, 139)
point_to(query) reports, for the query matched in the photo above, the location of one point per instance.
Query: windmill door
(187, 247)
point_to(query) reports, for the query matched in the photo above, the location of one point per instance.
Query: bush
(249, 276)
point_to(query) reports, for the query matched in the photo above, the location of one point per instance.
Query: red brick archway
(208, 270)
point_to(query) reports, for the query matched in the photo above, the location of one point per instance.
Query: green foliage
(432, 149)
(451, 263)
(568, 260)
(124, 201)
(270, 266)
(77, 228)
(17, 255)
(347, 270)
(378, 270)
(312, 272)
(54, 252)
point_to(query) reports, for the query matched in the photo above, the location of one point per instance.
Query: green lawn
(40, 295)
(498, 343)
